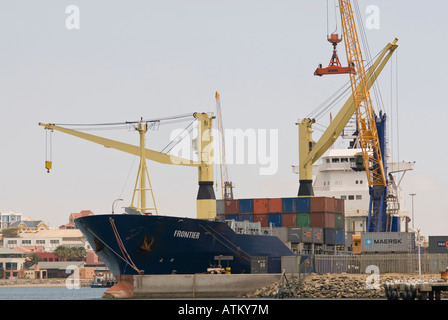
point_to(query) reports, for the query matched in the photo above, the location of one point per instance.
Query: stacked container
(317, 220)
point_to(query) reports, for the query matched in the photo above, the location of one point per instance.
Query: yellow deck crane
(226, 184)
(206, 202)
(361, 104)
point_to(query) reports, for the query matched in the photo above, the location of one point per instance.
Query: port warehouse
(316, 226)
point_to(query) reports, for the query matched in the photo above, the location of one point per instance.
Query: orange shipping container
(322, 220)
(260, 205)
(275, 205)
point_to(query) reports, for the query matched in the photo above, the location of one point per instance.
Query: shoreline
(39, 283)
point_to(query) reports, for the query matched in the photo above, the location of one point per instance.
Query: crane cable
(48, 150)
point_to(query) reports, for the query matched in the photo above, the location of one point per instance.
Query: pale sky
(150, 59)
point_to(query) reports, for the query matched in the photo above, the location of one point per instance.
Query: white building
(49, 239)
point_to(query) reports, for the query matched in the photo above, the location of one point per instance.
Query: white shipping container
(385, 242)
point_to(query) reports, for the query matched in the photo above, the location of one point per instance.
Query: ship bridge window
(358, 197)
(344, 159)
(351, 197)
(335, 160)
(344, 197)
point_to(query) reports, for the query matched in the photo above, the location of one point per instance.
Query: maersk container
(289, 205)
(387, 242)
(318, 235)
(303, 204)
(275, 219)
(220, 207)
(340, 237)
(246, 205)
(438, 244)
(330, 236)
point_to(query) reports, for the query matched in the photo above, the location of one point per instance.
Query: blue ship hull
(140, 244)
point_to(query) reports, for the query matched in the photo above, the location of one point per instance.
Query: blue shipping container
(396, 225)
(246, 217)
(232, 217)
(275, 219)
(303, 205)
(246, 205)
(340, 237)
(289, 205)
(330, 236)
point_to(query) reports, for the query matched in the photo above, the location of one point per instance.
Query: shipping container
(438, 244)
(261, 205)
(307, 235)
(294, 235)
(303, 204)
(318, 235)
(396, 224)
(303, 220)
(289, 219)
(339, 222)
(289, 205)
(322, 204)
(235, 217)
(340, 237)
(262, 218)
(330, 236)
(339, 206)
(385, 242)
(246, 205)
(246, 217)
(275, 205)
(232, 206)
(322, 220)
(220, 207)
(275, 219)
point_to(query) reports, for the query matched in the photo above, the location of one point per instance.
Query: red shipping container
(339, 206)
(275, 205)
(262, 218)
(322, 220)
(261, 206)
(322, 204)
(232, 206)
(289, 220)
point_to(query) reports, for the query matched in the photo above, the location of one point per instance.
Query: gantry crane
(372, 144)
(226, 184)
(206, 201)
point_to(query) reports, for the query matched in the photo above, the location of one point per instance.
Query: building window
(40, 242)
(351, 197)
(12, 241)
(54, 241)
(26, 242)
(358, 197)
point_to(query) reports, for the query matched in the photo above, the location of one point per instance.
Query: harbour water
(50, 293)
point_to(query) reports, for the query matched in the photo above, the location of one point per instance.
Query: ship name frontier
(186, 234)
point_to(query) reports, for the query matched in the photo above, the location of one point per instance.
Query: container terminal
(235, 244)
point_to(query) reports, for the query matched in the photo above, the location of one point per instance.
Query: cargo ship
(131, 244)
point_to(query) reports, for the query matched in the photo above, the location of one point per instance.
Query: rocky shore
(334, 286)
